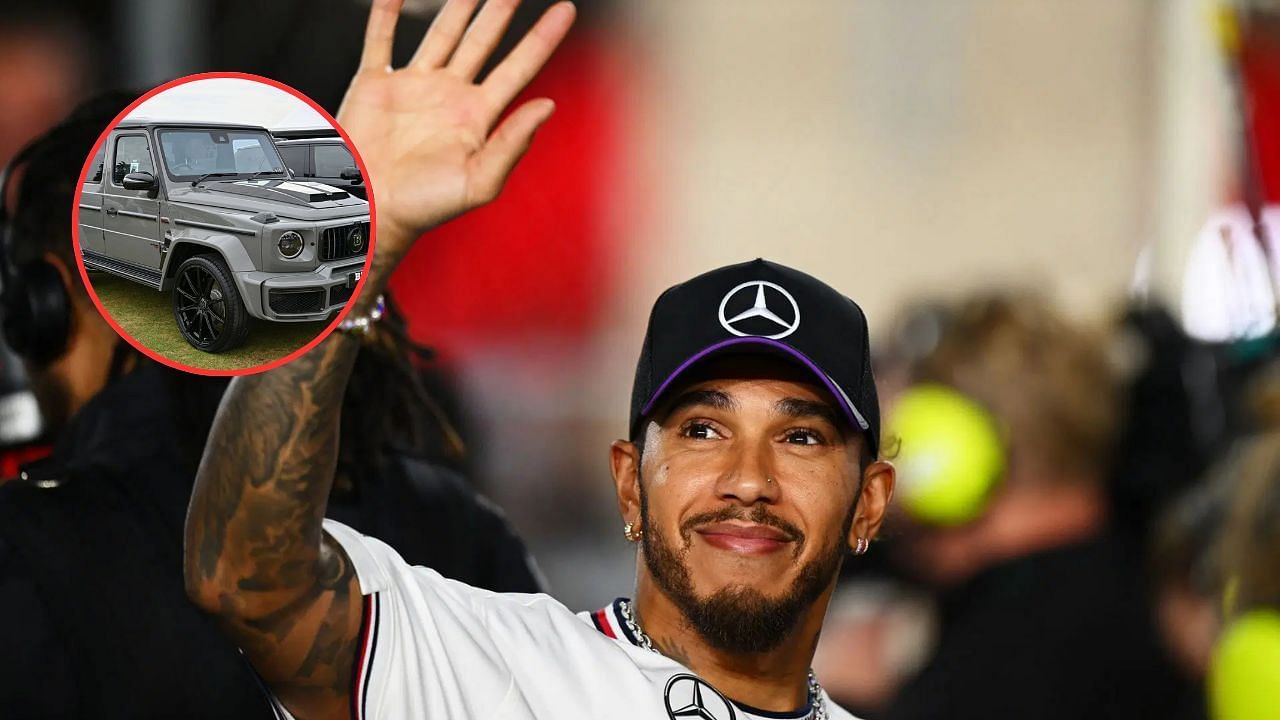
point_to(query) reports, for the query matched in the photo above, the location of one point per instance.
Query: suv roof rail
(305, 133)
(152, 123)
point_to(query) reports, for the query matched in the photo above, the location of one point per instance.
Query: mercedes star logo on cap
(765, 291)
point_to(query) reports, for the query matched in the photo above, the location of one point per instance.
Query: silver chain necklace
(642, 638)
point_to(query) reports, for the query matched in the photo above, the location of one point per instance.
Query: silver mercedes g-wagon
(210, 213)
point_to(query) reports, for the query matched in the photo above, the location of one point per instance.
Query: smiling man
(750, 473)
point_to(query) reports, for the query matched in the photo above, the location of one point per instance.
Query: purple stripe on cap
(852, 412)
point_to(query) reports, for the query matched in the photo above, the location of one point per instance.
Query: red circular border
(84, 275)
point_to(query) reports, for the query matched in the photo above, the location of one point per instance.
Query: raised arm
(256, 555)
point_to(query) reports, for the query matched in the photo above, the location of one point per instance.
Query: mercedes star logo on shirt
(772, 312)
(688, 696)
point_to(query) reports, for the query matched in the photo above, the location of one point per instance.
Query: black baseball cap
(759, 306)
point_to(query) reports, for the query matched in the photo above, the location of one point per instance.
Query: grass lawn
(147, 315)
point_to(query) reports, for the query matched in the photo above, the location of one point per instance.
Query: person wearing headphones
(94, 619)
(1006, 434)
(1243, 668)
(50, 321)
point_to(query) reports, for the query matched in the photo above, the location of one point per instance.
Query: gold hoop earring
(631, 532)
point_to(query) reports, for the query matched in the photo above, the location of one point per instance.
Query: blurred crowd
(1071, 532)
(1088, 520)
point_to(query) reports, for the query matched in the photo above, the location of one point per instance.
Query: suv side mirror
(139, 181)
(351, 173)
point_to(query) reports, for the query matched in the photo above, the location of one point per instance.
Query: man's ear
(624, 461)
(873, 501)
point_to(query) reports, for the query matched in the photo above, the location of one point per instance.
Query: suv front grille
(337, 242)
(296, 303)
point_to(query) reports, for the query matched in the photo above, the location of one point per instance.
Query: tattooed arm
(256, 554)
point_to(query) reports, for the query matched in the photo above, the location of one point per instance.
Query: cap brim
(762, 345)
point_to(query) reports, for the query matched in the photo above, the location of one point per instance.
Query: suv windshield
(190, 154)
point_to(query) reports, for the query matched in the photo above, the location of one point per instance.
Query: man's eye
(700, 431)
(803, 437)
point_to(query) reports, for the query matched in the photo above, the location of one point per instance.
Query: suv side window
(95, 167)
(331, 160)
(295, 156)
(132, 156)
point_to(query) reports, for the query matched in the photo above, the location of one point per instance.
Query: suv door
(89, 213)
(132, 217)
(328, 160)
(296, 158)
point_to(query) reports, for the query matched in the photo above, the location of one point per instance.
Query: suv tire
(206, 305)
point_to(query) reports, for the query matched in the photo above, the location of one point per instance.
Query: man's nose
(751, 476)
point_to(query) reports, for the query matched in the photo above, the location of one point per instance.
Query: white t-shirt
(439, 649)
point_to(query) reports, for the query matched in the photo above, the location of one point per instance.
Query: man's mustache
(759, 514)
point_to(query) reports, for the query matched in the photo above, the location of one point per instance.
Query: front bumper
(300, 297)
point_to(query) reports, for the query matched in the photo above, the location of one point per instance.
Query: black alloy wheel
(207, 306)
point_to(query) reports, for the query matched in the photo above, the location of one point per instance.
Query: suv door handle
(113, 210)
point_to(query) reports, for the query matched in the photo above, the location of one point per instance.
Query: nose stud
(768, 479)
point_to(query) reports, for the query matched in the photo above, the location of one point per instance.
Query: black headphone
(33, 298)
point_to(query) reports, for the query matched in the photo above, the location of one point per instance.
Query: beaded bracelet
(362, 324)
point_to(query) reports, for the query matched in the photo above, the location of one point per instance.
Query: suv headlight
(290, 244)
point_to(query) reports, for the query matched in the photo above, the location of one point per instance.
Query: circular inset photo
(224, 223)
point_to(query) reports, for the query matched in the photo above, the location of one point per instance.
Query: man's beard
(738, 618)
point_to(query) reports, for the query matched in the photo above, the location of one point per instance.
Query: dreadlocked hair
(389, 407)
(48, 186)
